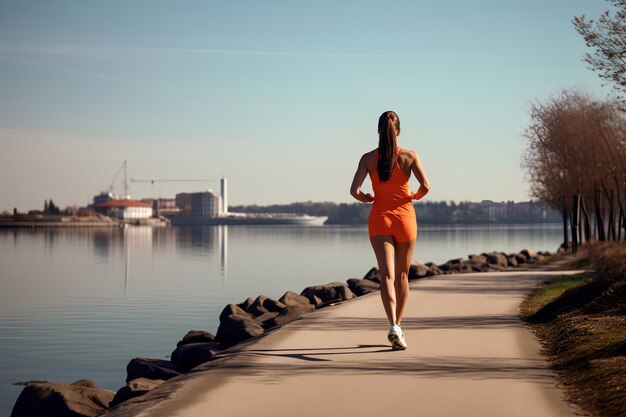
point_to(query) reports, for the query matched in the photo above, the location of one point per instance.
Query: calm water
(81, 303)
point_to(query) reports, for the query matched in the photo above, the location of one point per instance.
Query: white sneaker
(396, 337)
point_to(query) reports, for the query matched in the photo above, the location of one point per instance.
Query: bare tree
(607, 36)
(576, 153)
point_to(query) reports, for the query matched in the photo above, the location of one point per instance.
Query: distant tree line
(50, 208)
(426, 212)
(576, 162)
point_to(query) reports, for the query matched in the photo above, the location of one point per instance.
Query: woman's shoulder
(408, 154)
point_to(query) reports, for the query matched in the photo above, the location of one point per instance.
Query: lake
(81, 303)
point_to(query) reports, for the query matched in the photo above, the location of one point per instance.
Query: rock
(495, 267)
(290, 313)
(478, 267)
(191, 355)
(445, 267)
(263, 304)
(235, 329)
(512, 260)
(141, 367)
(134, 388)
(418, 270)
(320, 295)
(234, 310)
(527, 253)
(478, 259)
(51, 399)
(433, 269)
(520, 258)
(264, 318)
(256, 308)
(291, 298)
(373, 275)
(362, 286)
(496, 258)
(245, 305)
(196, 336)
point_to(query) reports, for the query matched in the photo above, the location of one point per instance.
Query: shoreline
(299, 370)
(243, 323)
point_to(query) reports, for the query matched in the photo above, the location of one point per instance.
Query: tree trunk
(599, 217)
(611, 222)
(586, 218)
(622, 223)
(575, 220)
(565, 235)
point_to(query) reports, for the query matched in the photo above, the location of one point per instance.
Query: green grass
(551, 291)
(581, 324)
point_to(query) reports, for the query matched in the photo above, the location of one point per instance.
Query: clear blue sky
(281, 97)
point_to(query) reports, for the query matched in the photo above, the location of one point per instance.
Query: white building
(124, 209)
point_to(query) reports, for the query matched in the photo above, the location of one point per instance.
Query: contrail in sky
(199, 103)
(91, 50)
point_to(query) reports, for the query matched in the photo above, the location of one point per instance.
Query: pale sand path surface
(469, 355)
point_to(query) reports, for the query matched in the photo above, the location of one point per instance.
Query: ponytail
(388, 127)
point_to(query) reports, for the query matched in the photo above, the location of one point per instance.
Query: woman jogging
(392, 224)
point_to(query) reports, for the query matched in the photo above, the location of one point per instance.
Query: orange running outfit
(392, 213)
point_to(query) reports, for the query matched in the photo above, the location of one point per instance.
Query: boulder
(141, 367)
(191, 355)
(245, 305)
(134, 388)
(373, 275)
(196, 336)
(291, 298)
(495, 267)
(235, 329)
(520, 258)
(445, 267)
(263, 304)
(527, 253)
(264, 318)
(51, 399)
(512, 260)
(362, 286)
(418, 270)
(496, 258)
(433, 269)
(333, 292)
(288, 314)
(478, 267)
(234, 310)
(478, 259)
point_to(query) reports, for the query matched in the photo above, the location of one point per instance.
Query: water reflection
(68, 296)
(207, 242)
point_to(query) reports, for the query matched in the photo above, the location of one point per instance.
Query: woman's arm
(359, 177)
(419, 173)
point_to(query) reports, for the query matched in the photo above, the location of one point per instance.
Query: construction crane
(123, 167)
(152, 181)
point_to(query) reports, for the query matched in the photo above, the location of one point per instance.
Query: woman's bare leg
(404, 255)
(384, 249)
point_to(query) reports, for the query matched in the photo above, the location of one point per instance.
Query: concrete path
(469, 355)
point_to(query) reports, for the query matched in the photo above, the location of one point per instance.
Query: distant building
(124, 209)
(183, 201)
(205, 204)
(162, 206)
(201, 204)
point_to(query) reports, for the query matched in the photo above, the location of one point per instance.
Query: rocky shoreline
(238, 323)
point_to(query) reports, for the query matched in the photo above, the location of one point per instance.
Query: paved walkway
(469, 355)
